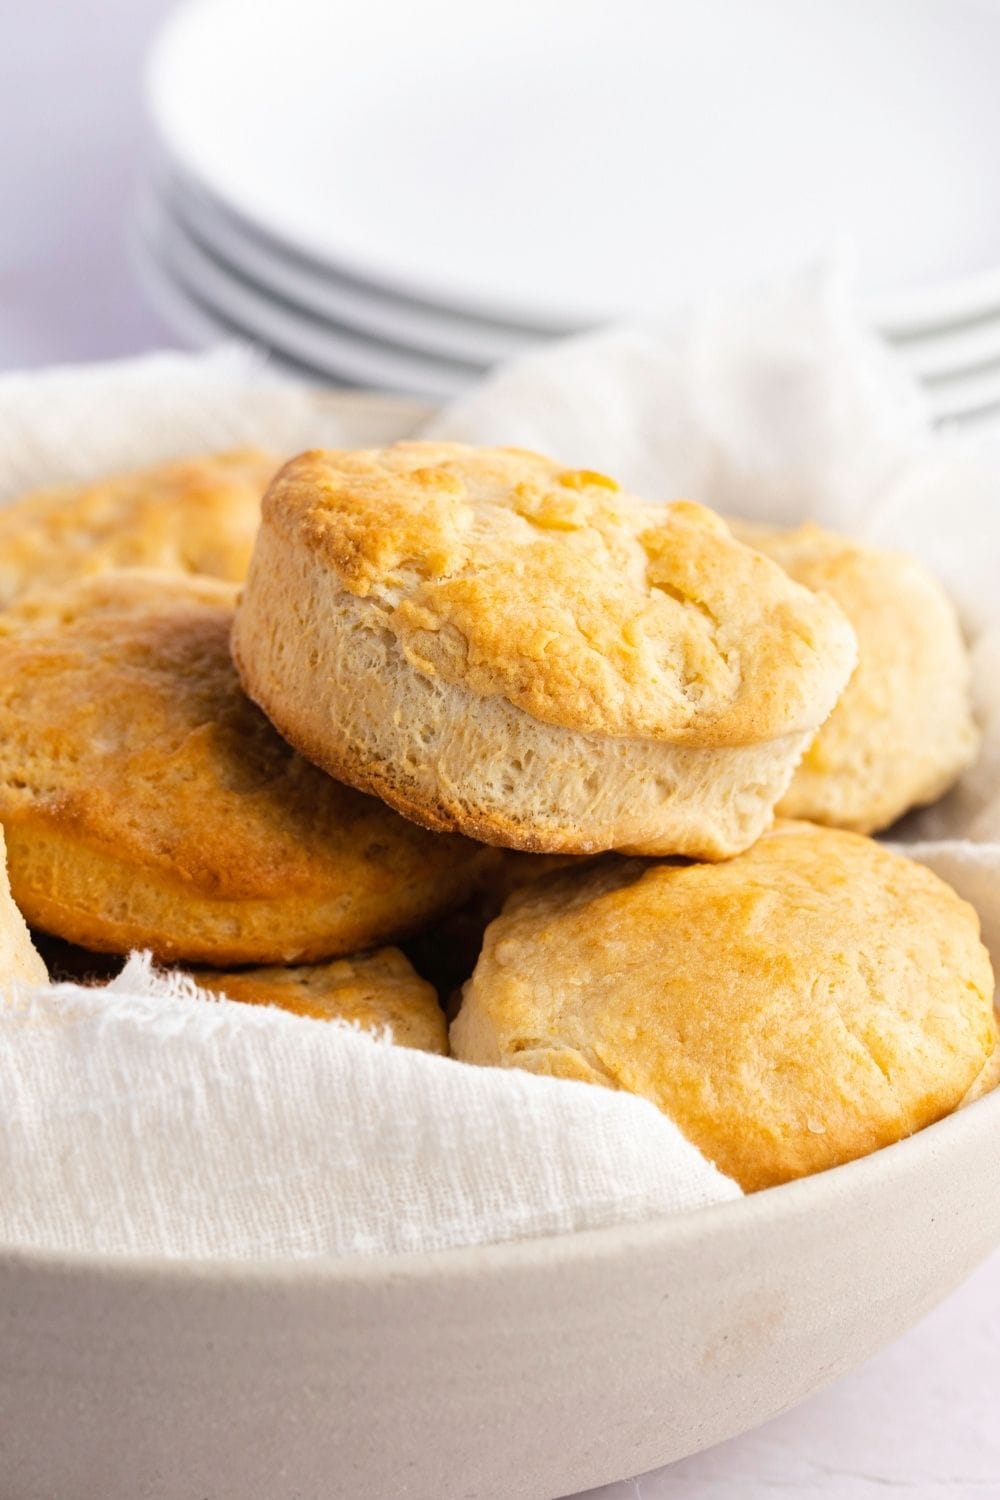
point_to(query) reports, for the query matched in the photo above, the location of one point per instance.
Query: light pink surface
(921, 1419)
(918, 1421)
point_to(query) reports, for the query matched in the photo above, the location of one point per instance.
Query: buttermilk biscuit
(149, 804)
(374, 990)
(903, 730)
(19, 958)
(803, 1004)
(196, 516)
(496, 644)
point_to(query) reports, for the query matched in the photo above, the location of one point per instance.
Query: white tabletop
(921, 1420)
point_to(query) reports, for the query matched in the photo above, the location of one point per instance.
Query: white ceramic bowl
(511, 1372)
(525, 1370)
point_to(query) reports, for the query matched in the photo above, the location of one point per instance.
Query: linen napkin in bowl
(150, 1118)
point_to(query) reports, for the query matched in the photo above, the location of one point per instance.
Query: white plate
(443, 333)
(561, 163)
(945, 351)
(202, 325)
(951, 352)
(439, 332)
(197, 326)
(930, 309)
(967, 395)
(323, 348)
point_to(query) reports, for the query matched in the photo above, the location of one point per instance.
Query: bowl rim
(785, 1202)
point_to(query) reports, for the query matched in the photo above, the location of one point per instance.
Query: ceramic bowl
(528, 1370)
(509, 1372)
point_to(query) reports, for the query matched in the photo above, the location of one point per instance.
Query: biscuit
(374, 990)
(903, 730)
(988, 1078)
(19, 959)
(196, 516)
(148, 804)
(807, 1002)
(521, 652)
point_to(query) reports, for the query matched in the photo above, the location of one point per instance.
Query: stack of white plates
(400, 195)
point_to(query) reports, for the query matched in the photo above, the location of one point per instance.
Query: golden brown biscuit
(903, 730)
(149, 804)
(375, 990)
(800, 1005)
(522, 652)
(199, 515)
(19, 959)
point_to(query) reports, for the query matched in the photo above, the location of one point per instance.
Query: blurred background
(398, 196)
(72, 133)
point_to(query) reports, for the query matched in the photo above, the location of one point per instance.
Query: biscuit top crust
(199, 515)
(122, 722)
(374, 990)
(501, 571)
(798, 1005)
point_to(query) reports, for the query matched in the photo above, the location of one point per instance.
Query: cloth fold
(150, 1117)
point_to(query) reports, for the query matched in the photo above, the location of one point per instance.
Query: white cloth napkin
(150, 1118)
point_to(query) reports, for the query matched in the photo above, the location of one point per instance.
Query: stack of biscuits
(606, 769)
